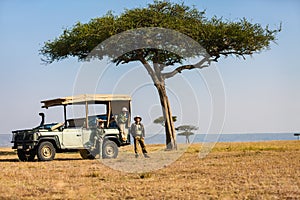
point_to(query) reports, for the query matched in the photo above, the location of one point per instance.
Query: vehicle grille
(23, 136)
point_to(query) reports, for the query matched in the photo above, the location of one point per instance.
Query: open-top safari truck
(76, 134)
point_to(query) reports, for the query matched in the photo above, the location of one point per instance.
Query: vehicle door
(88, 136)
(72, 138)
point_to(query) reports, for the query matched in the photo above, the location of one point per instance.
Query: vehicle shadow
(7, 153)
(9, 160)
(67, 159)
(17, 160)
(6, 156)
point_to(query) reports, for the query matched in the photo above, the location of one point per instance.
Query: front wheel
(110, 149)
(22, 155)
(26, 155)
(32, 154)
(46, 151)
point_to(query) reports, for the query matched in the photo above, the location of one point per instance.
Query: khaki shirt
(137, 130)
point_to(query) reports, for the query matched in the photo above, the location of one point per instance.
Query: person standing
(122, 121)
(100, 133)
(98, 136)
(137, 131)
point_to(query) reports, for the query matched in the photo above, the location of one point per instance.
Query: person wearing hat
(137, 131)
(122, 121)
(98, 136)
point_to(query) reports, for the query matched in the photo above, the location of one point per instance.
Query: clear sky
(262, 92)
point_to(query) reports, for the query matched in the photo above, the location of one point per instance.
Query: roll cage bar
(86, 99)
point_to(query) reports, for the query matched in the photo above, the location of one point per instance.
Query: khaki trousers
(141, 141)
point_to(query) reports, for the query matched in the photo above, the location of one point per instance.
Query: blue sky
(262, 92)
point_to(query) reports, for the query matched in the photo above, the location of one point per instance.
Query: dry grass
(262, 170)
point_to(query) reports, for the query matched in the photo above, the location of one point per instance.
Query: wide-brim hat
(137, 117)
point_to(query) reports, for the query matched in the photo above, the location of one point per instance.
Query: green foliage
(161, 120)
(187, 128)
(219, 37)
(186, 133)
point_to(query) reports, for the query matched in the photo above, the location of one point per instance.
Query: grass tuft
(145, 175)
(93, 174)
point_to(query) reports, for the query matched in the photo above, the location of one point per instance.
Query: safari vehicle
(75, 134)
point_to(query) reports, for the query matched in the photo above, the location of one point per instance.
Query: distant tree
(161, 120)
(186, 131)
(219, 37)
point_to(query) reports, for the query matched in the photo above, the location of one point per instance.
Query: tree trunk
(159, 83)
(167, 113)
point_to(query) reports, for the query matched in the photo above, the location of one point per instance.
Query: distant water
(198, 138)
(5, 140)
(250, 137)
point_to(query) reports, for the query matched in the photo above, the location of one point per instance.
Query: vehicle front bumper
(25, 145)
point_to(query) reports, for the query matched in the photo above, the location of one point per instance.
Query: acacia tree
(217, 36)
(186, 131)
(161, 120)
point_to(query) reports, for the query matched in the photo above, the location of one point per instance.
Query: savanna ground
(256, 170)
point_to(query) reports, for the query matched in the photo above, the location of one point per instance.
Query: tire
(26, 155)
(22, 155)
(86, 154)
(110, 149)
(46, 151)
(32, 154)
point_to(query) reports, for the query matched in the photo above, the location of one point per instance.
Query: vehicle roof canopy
(85, 98)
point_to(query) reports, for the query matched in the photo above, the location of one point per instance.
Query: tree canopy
(218, 36)
(187, 128)
(186, 131)
(161, 120)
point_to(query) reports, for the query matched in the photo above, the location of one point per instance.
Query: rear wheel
(46, 151)
(86, 154)
(110, 149)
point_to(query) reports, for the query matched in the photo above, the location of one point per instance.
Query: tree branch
(198, 65)
(150, 71)
(242, 54)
